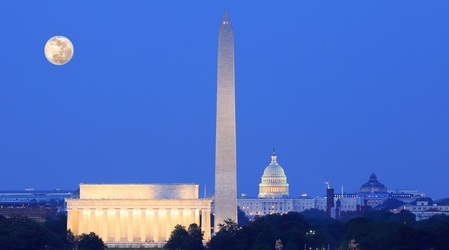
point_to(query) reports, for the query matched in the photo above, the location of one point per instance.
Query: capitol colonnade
(105, 210)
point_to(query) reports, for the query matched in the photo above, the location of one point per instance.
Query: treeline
(22, 233)
(378, 229)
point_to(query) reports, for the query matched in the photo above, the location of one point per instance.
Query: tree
(314, 213)
(390, 204)
(227, 238)
(89, 242)
(242, 218)
(21, 232)
(70, 242)
(195, 238)
(444, 201)
(229, 226)
(178, 238)
(57, 230)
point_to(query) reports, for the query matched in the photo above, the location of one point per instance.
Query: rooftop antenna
(342, 191)
(327, 183)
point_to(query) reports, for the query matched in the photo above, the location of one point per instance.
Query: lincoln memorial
(128, 213)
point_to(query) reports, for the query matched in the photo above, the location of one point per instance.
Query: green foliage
(262, 233)
(379, 229)
(57, 230)
(20, 232)
(70, 242)
(397, 231)
(182, 239)
(178, 238)
(291, 246)
(404, 217)
(229, 226)
(89, 241)
(195, 237)
(314, 213)
(227, 238)
(444, 201)
(390, 204)
(266, 239)
(242, 219)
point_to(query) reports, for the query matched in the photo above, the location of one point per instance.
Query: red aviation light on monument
(225, 21)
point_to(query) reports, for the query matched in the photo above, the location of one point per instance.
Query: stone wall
(139, 191)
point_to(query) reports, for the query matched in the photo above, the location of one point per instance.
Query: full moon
(59, 50)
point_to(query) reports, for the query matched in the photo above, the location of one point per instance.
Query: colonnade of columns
(135, 224)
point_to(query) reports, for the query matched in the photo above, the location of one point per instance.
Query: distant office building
(373, 192)
(262, 206)
(32, 198)
(405, 195)
(30, 194)
(35, 204)
(347, 195)
(424, 209)
(39, 214)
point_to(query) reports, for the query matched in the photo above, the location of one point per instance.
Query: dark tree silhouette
(21, 232)
(89, 241)
(178, 238)
(195, 238)
(242, 219)
(390, 204)
(227, 238)
(182, 239)
(314, 213)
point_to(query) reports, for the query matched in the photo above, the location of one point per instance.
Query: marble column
(205, 223)
(117, 225)
(197, 217)
(69, 219)
(143, 225)
(168, 223)
(104, 225)
(74, 226)
(130, 225)
(80, 221)
(181, 217)
(192, 215)
(92, 221)
(156, 225)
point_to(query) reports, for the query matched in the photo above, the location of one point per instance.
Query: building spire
(225, 21)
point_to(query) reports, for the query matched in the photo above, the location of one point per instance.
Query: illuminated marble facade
(124, 213)
(225, 149)
(274, 181)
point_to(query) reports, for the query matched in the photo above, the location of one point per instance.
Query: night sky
(341, 89)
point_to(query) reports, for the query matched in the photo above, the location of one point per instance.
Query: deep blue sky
(340, 88)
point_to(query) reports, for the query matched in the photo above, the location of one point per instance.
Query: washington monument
(225, 152)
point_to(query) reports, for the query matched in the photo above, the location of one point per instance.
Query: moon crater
(59, 50)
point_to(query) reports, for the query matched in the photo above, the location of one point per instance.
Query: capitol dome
(274, 181)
